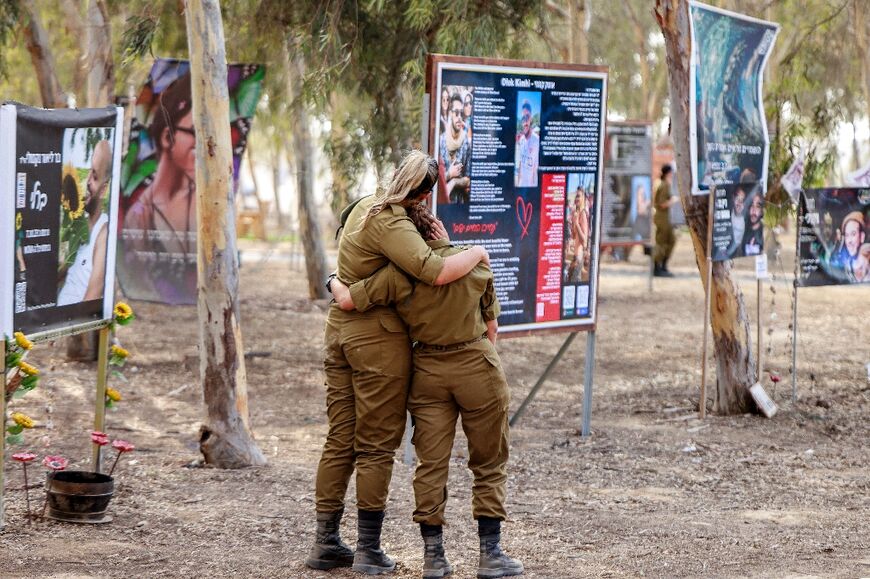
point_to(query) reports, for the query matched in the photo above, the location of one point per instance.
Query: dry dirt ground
(653, 492)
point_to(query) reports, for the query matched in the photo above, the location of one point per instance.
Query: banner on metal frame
(519, 146)
(834, 230)
(628, 186)
(60, 176)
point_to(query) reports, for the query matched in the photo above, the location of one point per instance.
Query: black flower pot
(76, 496)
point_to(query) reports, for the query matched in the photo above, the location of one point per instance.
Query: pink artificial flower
(123, 446)
(775, 377)
(55, 462)
(23, 456)
(100, 438)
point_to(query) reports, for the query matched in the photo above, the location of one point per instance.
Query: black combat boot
(435, 563)
(666, 270)
(369, 558)
(493, 561)
(329, 551)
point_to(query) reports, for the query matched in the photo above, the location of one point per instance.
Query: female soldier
(368, 365)
(457, 371)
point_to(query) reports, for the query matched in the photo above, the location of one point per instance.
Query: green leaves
(27, 384)
(137, 38)
(15, 439)
(12, 358)
(15, 429)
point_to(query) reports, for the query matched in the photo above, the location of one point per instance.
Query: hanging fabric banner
(157, 243)
(729, 141)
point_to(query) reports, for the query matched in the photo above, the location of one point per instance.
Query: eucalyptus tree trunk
(101, 67)
(735, 366)
(99, 70)
(578, 39)
(225, 437)
(42, 57)
(275, 158)
(309, 226)
(859, 19)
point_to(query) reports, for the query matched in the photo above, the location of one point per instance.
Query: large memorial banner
(628, 158)
(729, 141)
(520, 147)
(157, 243)
(738, 221)
(60, 178)
(834, 244)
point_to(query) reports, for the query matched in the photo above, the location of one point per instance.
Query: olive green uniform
(457, 372)
(665, 238)
(368, 362)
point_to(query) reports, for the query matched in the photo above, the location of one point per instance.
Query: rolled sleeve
(402, 244)
(386, 286)
(489, 306)
(360, 296)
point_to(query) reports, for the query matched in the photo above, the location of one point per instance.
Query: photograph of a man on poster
(740, 232)
(528, 139)
(578, 226)
(84, 219)
(753, 236)
(454, 145)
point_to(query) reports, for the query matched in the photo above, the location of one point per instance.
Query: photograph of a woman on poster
(641, 202)
(578, 227)
(158, 222)
(157, 242)
(84, 218)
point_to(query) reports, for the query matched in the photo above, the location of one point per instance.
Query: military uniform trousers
(448, 383)
(368, 370)
(665, 239)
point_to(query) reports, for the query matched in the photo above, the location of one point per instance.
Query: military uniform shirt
(436, 315)
(389, 236)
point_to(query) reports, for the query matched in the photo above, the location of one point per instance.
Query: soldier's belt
(449, 347)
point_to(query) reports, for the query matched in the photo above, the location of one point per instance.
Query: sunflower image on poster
(84, 207)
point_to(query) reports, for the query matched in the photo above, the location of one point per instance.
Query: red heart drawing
(524, 215)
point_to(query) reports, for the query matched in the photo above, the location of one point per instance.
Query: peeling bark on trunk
(309, 226)
(42, 58)
(735, 366)
(225, 438)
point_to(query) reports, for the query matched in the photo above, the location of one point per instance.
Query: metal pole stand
(3, 438)
(794, 331)
(588, 371)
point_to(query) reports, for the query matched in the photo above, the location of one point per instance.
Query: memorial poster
(520, 149)
(628, 194)
(729, 141)
(60, 178)
(834, 243)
